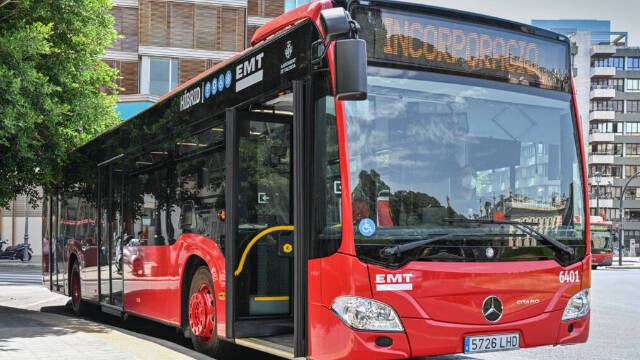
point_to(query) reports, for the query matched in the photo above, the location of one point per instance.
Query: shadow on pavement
(19, 323)
(155, 332)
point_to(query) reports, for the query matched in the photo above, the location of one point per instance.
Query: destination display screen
(452, 45)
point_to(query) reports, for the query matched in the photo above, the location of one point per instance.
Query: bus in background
(369, 180)
(602, 237)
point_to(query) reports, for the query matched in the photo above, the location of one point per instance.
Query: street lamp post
(25, 253)
(621, 237)
(597, 175)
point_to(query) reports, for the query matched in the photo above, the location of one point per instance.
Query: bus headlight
(578, 306)
(366, 314)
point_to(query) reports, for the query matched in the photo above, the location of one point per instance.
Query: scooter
(15, 252)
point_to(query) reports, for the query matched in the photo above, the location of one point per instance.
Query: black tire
(594, 267)
(213, 346)
(78, 306)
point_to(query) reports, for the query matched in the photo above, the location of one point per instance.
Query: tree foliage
(50, 80)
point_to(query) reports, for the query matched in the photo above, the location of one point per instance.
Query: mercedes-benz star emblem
(492, 309)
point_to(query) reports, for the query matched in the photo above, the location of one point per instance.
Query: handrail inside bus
(255, 240)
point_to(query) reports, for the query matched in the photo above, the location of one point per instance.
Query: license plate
(485, 343)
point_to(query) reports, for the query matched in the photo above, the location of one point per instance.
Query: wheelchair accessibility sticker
(367, 227)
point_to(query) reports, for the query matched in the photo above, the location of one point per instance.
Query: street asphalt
(615, 322)
(38, 324)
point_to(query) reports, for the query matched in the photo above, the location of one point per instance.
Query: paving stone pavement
(26, 334)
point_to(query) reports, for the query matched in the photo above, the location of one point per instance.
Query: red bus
(309, 198)
(601, 242)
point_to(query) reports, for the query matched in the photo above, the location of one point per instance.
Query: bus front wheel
(202, 313)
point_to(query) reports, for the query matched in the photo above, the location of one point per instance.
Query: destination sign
(463, 47)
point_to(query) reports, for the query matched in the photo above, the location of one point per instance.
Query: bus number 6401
(569, 276)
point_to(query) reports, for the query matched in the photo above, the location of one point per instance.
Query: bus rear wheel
(202, 313)
(78, 306)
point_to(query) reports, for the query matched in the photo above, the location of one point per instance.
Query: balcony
(595, 136)
(602, 115)
(602, 93)
(604, 203)
(603, 71)
(600, 158)
(602, 181)
(605, 49)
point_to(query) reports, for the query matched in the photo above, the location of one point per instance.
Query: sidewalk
(34, 263)
(26, 334)
(628, 263)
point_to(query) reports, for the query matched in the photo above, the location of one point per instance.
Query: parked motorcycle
(14, 252)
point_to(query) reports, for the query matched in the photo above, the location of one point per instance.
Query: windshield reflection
(425, 148)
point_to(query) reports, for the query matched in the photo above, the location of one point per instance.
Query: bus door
(109, 253)
(260, 275)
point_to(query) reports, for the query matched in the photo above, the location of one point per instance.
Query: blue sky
(624, 14)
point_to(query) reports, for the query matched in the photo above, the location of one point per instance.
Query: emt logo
(390, 282)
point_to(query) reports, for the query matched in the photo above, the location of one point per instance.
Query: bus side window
(327, 187)
(152, 216)
(201, 174)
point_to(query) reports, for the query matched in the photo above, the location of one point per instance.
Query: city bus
(368, 180)
(602, 237)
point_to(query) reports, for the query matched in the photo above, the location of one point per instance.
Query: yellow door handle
(255, 240)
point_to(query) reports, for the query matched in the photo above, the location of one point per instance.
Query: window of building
(269, 8)
(292, 4)
(607, 105)
(631, 234)
(632, 215)
(606, 127)
(633, 150)
(606, 170)
(629, 170)
(611, 214)
(632, 128)
(194, 26)
(633, 106)
(633, 63)
(633, 85)
(613, 61)
(163, 75)
(127, 78)
(601, 149)
(617, 84)
(125, 22)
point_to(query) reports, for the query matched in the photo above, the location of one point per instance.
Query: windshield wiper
(398, 249)
(526, 226)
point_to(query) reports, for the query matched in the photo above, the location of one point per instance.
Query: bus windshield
(476, 163)
(601, 242)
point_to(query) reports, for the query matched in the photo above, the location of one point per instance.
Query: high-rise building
(606, 72)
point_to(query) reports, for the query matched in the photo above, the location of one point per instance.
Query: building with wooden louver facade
(167, 42)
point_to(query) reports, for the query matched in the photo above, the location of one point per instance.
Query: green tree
(50, 81)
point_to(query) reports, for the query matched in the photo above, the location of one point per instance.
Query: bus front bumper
(429, 337)
(601, 259)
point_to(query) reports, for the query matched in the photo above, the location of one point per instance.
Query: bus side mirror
(350, 54)
(335, 24)
(350, 59)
